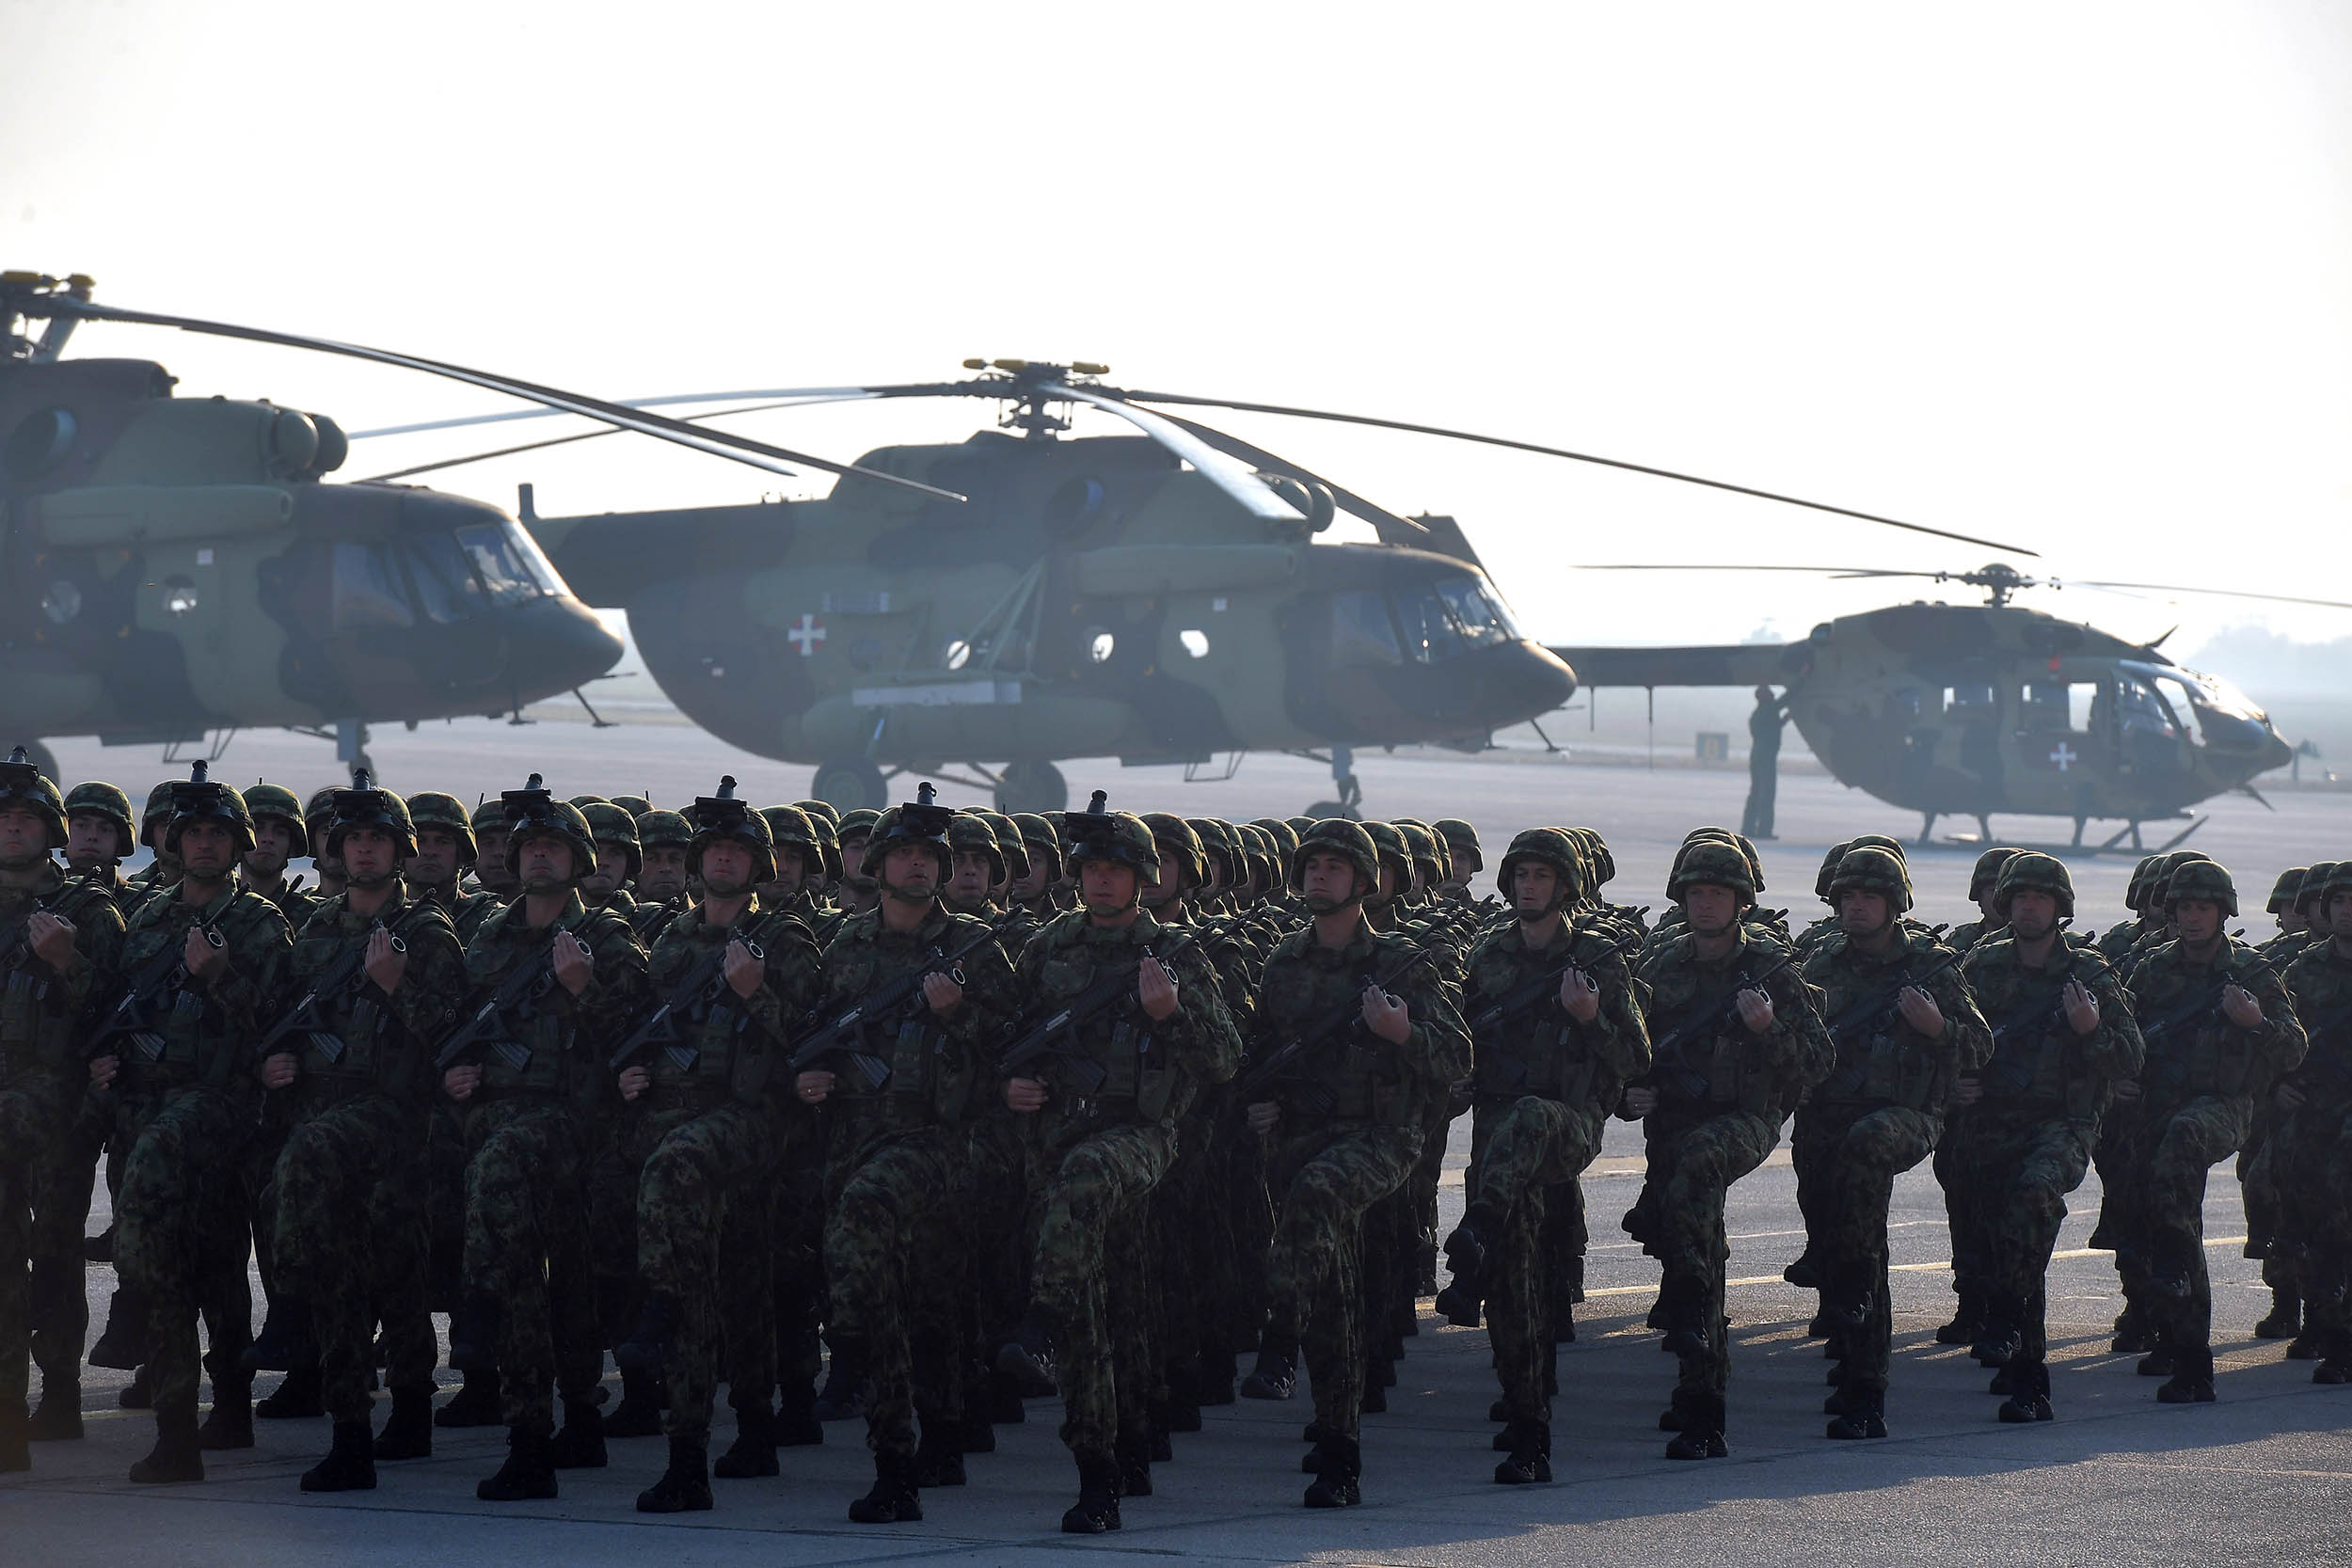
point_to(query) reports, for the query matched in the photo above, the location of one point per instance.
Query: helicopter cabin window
(505, 569)
(1362, 637)
(367, 590)
(1481, 619)
(1971, 700)
(1430, 636)
(445, 580)
(2049, 706)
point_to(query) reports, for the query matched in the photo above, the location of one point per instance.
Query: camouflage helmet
(856, 821)
(2135, 891)
(1987, 871)
(2315, 884)
(2159, 888)
(636, 805)
(1284, 838)
(1718, 863)
(659, 829)
(363, 805)
(1755, 862)
(317, 812)
(1009, 842)
(821, 827)
(1600, 866)
(1871, 869)
(788, 827)
(1553, 846)
(2282, 892)
(610, 825)
(2030, 869)
(1336, 835)
(100, 798)
(971, 833)
(1697, 836)
(825, 809)
(584, 802)
(1224, 846)
(1042, 842)
(157, 814)
(1175, 839)
(490, 815)
(197, 799)
(1099, 834)
(1829, 869)
(1462, 841)
(1428, 850)
(433, 809)
(1261, 853)
(531, 813)
(269, 799)
(22, 785)
(1298, 825)
(921, 821)
(1398, 855)
(2208, 880)
(713, 817)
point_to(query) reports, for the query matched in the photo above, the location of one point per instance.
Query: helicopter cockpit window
(444, 576)
(1480, 618)
(2049, 706)
(1362, 637)
(1430, 637)
(367, 590)
(506, 571)
(2225, 717)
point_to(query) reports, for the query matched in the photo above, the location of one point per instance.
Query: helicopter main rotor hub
(1024, 383)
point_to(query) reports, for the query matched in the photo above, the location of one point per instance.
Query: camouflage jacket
(553, 1045)
(2120, 939)
(185, 1032)
(42, 1012)
(1813, 935)
(1882, 1060)
(2320, 980)
(935, 1065)
(2193, 1049)
(292, 901)
(466, 908)
(1969, 933)
(718, 1043)
(1539, 1047)
(2039, 1067)
(648, 917)
(1152, 1070)
(353, 1035)
(1357, 1076)
(1705, 1060)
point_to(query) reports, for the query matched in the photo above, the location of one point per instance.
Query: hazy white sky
(2077, 275)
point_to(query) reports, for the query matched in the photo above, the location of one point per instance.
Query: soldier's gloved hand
(2082, 1008)
(574, 965)
(460, 1083)
(1755, 1011)
(203, 960)
(1155, 988)
(1640, 1103)
(743, 972)
(634, 1081)
(1025, 1095)
(1967, 1091)
(943, 993)
(1386, 1017)
(2127, 1089)
(1920, 1011)
(385, 963)
(52, 939)
(277, 1071)
(812, 1086)
(2289, 1097)
(101, 1071)
(1264, 1117)
(2239, 1004)
(1580, 994)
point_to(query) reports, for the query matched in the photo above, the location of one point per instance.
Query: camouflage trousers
(32, 1109)
(183, 1235)
(894, 1258)
(1856, 1153)
(2311, 1159)
(1961, 1202)
(1528, 1153)
(323, 1209)
(789, 1354)
(66, 1176)
(1181, 1236)
(2157, 1218)
(2266, 1205)
(527, 1249)
(445, 1207)
(1086, 1275)
(1693, 1162)
(998, 1167)
(1565, 1237)
(702, 1236)
(1242, 1229)
(1328, 1177)
(2016, 1167)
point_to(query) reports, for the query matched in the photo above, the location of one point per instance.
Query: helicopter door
(2059, 726)
(2149, 737)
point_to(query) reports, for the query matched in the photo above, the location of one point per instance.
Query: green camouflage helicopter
(175, 567)
(1974, 709)
(1162, 597)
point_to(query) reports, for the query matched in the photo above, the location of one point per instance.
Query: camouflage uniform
(2311, 1155)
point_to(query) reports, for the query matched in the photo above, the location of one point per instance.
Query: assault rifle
(1262, 1076)
(2195, 1008)
(1877, 1008)
(528, 980)
(130, 1015)
(1666, 1049)
(302, 1017)
(1049, 1041)
(697, 990)
(847, 1033)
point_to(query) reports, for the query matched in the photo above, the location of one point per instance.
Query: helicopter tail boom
(1729, 664)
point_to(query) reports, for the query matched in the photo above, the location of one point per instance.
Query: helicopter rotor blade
(1227, 473)
(1392, 529)
(788, 395)
(1709, 566)
(714, 443)
(597, 434)
(2217, 593)
(1573, 456)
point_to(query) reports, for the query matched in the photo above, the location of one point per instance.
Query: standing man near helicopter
(1764, 724)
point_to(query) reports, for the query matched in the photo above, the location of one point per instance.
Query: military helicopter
(174, 568)
(1973, 710)
(1162, 597)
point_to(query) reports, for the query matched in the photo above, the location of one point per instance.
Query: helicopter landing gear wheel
(1351, 799)
(1032, 787)
(851, 782)
(41, 756)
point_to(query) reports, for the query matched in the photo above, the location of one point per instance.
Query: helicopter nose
(554, 644)
(1517, 681)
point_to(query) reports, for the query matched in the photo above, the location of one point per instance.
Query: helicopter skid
(2123, 841)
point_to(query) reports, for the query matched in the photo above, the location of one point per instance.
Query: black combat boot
(2131, 1333)
(408, 1431)
(123, 1347)
(1997, 1339)
(59, 1417)
(16, 1437)
(529, 1473)
(1466, 1258)
(176, 1455)
(2334, 1369)
(579, 1445)
(1702, 1435)
(2306, 1346)
(473, 1336)
(1677, 1415)
(1133, 1453)
(286, 1342)
(349, 1466)
(1529, 1459)
(1425, 1258)
(648, 1345)
(2286, 1314)
(475, 1404)
(1096, 1511)
(1276, 1375)
(2192, 1376)
(752, 1454)
(139, 1393)
(796, 1425)
(1864, 1415)
(685, 1486)
(938, 1457)
(1340, 1483)
(2158, 1362)
(843, 1398)
(1804, 1274)
(1685, 1315)
(230, 1424)
(300, 1396)
(1027, 1359)
(1961, 1330)
(895, 1499)
(639, 1415)
(2028, 1393)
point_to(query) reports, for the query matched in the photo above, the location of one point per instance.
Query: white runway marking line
(1943, 1267)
